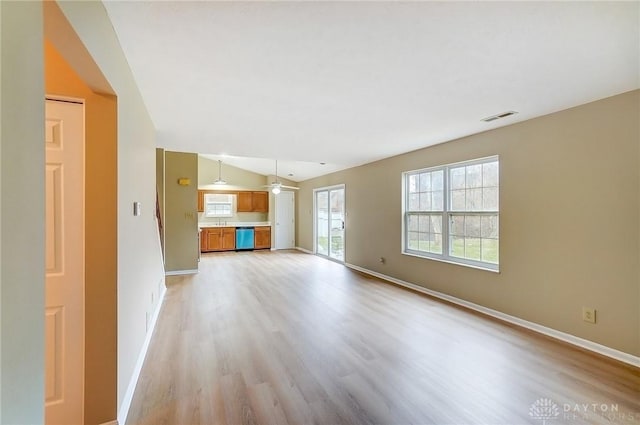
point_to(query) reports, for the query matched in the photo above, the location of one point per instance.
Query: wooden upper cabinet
(253, 201)
(245, 201)
(260, 201)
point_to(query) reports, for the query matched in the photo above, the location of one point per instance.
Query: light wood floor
(277, 338)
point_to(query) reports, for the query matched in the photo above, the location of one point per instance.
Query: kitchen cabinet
(262, 237)
(218, 239)
(247, 201)
(253, 201)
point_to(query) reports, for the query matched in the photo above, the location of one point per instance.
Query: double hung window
(451, 213)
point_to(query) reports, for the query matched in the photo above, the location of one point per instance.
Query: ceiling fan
(276, 185)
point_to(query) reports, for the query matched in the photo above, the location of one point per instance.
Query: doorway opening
(329, 222)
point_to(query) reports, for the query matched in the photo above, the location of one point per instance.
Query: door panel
(64, 246)
(330, 222)
(322, 222)
(336, 224)
(285, 237)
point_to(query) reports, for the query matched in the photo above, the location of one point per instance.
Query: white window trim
(445, 257)
(231, 214)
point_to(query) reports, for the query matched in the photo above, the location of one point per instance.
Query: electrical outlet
(589, 314)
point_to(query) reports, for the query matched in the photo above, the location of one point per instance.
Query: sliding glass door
(330, 222)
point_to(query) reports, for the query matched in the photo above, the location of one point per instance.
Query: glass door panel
(336, 239)
(330, 222)
(322, 222)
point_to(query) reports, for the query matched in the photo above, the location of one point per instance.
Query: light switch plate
(137, 208)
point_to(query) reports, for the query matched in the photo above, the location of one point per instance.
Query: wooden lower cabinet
(218, 239)
(228, 238)
(262, 237)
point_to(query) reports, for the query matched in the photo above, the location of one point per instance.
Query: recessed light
(498, 116)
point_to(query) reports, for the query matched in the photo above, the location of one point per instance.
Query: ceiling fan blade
(290, 187)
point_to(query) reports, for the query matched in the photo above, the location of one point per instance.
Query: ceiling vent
(497, 117)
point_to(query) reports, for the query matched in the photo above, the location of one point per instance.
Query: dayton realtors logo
(544, 409)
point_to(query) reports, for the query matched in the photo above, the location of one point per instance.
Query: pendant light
(220, 181)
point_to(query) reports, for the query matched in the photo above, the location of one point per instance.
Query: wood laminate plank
(289, 338)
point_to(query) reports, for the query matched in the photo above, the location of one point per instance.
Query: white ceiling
(348, 83)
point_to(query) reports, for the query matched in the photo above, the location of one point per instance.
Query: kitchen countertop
(233, 224)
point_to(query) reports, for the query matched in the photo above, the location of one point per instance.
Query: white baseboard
(110, 423)
(571, 339)
(179, 272)
(306, 251)
(128, 395)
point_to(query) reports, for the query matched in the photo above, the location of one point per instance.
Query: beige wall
(569, 220)
(100, 235)
(237, 178)
(140, 271)
(181, 218)
(21, 214)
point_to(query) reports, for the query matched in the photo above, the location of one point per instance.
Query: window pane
(436, 244)
(473, 200)
(437, 201)
(457, 178)
(437, 180)
(472, 226)
(436, 224)
(425, 182)
(457, 225)
(414, 202)
(413, 183)
(490, 199)
(472, 248)
(489, 226)
(425, 201)
(457, 246)
(413, 240)
(424, 223)
(474, 175)
(424, 242)
(490, 174)
(458, 200)
(490, 250)
(413, 223)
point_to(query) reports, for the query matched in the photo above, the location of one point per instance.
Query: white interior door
(330, 222)
(285, 237)
(64, 244)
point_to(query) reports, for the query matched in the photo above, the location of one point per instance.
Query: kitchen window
(451, 213)
(219, 205)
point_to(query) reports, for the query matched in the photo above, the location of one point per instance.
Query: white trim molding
(123, 411)
(110, 423)
(562, 336)
(306, 251)
(181, 272)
